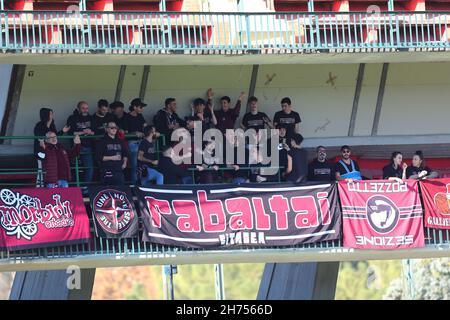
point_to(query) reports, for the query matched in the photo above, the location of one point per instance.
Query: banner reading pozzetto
(381, 214)
(34, 218)
(230, 215)
(436, 200)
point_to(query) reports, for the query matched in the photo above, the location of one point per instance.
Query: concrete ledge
(224, 256)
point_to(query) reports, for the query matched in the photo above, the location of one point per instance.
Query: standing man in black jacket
(167, 120)
(101, 118)
(226, 116)
(112, 157)
(80, 123)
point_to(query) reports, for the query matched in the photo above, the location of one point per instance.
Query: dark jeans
(112, 177)
(87, 161)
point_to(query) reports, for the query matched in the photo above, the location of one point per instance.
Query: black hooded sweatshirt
(41, 128)
(77, 123)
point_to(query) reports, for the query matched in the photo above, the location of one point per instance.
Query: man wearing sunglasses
(320, 169)
(112, 157)
(347, 169)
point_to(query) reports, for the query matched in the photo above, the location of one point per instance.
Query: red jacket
(56, 164)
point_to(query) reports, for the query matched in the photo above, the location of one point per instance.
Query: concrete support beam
(120, 83)
(251, 90)
(380, 97)
(144, 82)
(359, 82)
(12, 103)
(299, 281)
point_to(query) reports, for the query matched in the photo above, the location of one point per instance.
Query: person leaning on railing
(419, 170)
(346, 168)
(173, 173)
(148, 158)
(56, 162)
(395, 170)
(209, 169)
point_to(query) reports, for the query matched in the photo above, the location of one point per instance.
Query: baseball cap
(137, 102)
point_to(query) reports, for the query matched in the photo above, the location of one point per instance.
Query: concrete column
(299, 281)
(53, 285)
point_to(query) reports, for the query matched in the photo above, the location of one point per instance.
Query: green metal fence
(117, 248)
(98, 31)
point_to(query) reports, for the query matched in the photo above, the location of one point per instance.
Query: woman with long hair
(418, 169)
(395, 170)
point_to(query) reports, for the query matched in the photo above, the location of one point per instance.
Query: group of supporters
(100, 141)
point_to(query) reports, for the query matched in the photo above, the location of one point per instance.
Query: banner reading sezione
(381, 214)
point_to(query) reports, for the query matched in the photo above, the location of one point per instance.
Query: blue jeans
(133, 147)
(152, 174)
(187, 180)
(239, 180)
(88, 161)
(59, 184)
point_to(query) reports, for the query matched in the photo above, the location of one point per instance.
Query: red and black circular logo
(113, 211)
(382, 214)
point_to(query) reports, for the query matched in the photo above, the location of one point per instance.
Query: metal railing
(111, 252)
(99, 31)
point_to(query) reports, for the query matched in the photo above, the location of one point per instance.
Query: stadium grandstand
(367, 77)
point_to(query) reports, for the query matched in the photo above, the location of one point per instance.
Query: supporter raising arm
(226, 116)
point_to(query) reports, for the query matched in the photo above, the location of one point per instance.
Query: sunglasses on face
(346, 151)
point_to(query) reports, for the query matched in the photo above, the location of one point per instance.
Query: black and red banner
(436, 200)
(34, 218)
(113, 212)
(234, 216)
(381, 214)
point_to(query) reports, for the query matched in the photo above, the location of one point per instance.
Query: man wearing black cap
(117, 110)
(135, 123)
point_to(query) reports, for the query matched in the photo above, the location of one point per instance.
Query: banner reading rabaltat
(381, 214)
(228, 215)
